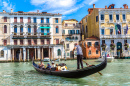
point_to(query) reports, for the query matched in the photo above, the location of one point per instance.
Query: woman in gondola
(48, 67)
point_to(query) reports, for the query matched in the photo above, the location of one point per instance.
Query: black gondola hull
(75, 73)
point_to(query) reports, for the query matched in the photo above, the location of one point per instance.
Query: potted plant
(112, 45)
(103, 45)
(126, 45)
(89, 45)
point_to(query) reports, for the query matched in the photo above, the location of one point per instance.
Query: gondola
(74, 73)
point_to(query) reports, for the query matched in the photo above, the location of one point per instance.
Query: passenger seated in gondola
(41, 65)
(53, 64)
(108, 55)
(48, 67)
(61, 67)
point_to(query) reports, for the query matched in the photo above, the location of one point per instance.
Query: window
(34, 20)
(73, 31)
(2, 53)
(15, 42)
(5, 19)
(96, 43)
(124, 17)
(103, 41)
(96, 51)
(48, 31)
(117, 16)
(21, 29)
(110, 16)
(57, 29)
(5, 42)
(76, 38)
(89, 44)
(63, 31)
(29, 42)
(48, 41)
(73, 24)
(96, 18)
(47, 20)
(56, 20)
(68, 54)
(67, 45)
(102, 31)
(89, 53)
(21, 19)
(112, 41)
(102, 17)
(42, 41)
(29, 19)
(77, 31)
(86, 29)
(66, 25)
(15, 29)
(5, 28)
(15, 19)
(35, 29)
(29, 29)
(125, 41)
(21, 42)
(57, 41)
(82, 28)
(111, 31)
(124, 31)
(86, 19)
(58, 52)
(42, 30)
(35, 42)
(42, 20)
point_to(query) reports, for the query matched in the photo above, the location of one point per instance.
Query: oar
(88, 65)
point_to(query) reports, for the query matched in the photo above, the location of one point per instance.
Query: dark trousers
(79, 61)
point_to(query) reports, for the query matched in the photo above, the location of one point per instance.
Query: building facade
(70, 35)
(91, 48)
(111, 25)
(31, 35)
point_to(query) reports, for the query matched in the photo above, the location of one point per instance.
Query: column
(49, 54)
(13, 54)
(42, 53)
(28, 54)
(24, 54)
(39, 53)
(20, 55)
(35, 54)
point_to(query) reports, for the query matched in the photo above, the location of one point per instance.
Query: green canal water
(116, 73)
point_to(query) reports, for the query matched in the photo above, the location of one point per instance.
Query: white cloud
(7, 6)
(61, 6)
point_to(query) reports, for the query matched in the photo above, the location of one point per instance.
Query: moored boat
(74, 73)
(46, 59)
(109, 59)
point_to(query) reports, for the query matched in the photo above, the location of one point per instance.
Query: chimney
(125, 6)
(11, 10)
(37, 11)
(4, 11)
(93, 5)
(105, 7)
(120, 7)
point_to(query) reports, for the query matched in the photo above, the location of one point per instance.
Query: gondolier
(79, 54)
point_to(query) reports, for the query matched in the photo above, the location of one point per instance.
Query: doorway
(119, 49)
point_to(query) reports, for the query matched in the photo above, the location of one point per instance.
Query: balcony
(115, 36)
(18, 22)
(44, 24)
(31, 23)
(124, 21)
(102, 21)
(18, 35)
(111, 21)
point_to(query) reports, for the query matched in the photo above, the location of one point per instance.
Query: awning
(45, 27)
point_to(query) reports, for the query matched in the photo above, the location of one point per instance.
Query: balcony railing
(115, 36)
(18, 22)
(18, 34)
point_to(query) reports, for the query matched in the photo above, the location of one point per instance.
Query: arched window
(2, 53)
(5, 28)
(76, 38)
(57, 29)
(58, 52)
(29, 29)
(15, 29)
(21, 29)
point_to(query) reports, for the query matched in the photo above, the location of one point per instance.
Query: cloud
(61, 6)
(7, 6)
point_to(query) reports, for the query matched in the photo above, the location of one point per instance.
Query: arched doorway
(119, 29)
(46, 53)
(17, 54)
(119, 49)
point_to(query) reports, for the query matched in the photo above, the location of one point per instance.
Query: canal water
(23, 74)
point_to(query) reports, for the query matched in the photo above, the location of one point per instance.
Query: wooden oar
(89, 65)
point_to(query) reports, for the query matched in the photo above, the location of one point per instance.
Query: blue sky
(71, 9)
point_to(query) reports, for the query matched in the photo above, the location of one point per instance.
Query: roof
(92, 38)
(71, 20)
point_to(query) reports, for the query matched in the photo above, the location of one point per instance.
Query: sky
(70, 9)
